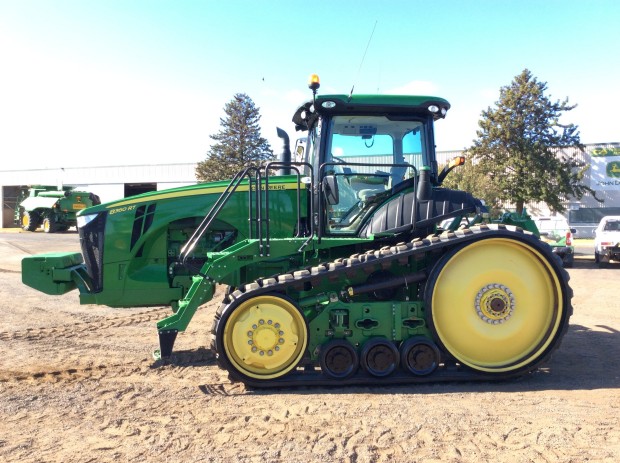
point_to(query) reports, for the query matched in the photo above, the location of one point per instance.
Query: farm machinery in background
(52, 208)
(335, 267)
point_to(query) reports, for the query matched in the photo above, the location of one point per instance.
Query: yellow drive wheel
(496, 304)
(265, 337)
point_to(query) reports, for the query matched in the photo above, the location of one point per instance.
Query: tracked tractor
(335, 267)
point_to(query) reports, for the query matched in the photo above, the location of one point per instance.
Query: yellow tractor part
(497, 304)
(265, 337)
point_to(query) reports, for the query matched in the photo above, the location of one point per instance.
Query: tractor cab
(364, 149)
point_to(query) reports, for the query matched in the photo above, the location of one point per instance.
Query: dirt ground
(77, 384)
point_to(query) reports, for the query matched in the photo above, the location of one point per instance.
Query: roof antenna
(363, 57)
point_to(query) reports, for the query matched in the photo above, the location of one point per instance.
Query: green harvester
(52, 208)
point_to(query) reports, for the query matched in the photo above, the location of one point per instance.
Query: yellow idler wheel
(496, 304)
(265, 337)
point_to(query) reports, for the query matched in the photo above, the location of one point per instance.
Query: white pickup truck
(607, 240)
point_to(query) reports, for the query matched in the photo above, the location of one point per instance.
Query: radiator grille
(91, 240)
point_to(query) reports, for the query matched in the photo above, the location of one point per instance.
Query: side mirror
(330, 189)
(573, 231)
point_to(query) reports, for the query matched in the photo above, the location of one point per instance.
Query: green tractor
(336, 270)
(55, 209)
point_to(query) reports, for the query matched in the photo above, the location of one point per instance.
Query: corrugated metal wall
(108, 182)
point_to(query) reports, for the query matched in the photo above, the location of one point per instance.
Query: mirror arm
(457, 161)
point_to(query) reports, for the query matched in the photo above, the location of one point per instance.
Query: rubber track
(385, 256)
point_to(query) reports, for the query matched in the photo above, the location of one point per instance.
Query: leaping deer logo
(613, 169)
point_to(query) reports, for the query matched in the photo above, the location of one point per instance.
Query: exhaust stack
(285, 155)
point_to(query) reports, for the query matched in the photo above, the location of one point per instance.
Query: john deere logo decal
(613, 169)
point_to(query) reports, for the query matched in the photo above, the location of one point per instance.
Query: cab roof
(402, 105)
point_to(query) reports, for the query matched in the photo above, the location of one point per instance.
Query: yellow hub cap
(265, 337)
(497, 304)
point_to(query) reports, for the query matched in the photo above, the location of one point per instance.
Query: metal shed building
(107, 182)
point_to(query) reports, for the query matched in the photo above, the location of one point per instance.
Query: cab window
(366, 156)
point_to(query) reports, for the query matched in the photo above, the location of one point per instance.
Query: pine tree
(519, 147)
(238, 144)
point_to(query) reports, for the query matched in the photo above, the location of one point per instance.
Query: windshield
(376, 140)
(369, 155)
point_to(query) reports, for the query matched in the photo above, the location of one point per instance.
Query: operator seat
(397, 175)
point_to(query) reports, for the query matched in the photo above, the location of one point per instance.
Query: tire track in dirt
(142, 367)
(80, 328)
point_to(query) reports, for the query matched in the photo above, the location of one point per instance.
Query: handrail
(295, 166)
(256, 219)
(217, 207)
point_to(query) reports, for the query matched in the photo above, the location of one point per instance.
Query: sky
(128, 82)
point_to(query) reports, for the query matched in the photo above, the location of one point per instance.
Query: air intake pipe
(425, 188)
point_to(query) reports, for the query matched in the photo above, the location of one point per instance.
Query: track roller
(338, 359)
(419, 356)
(379, 357)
